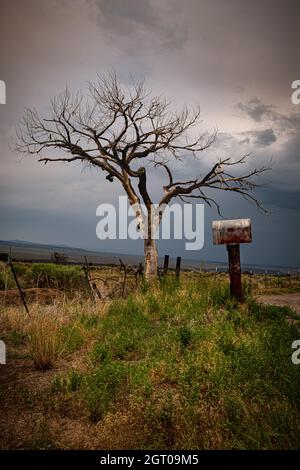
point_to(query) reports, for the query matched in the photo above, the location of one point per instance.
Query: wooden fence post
(266, 272)
(125, 276)
(166, 264)
(235, 271)
(18, 285)
(251, 275)
(178, 263)
(87, 279)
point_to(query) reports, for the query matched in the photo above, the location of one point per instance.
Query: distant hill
(19, 243)
(38, 252)
(28, 251)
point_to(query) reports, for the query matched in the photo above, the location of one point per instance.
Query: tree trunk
(151, 263)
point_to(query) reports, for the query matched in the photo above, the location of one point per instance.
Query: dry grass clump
(45, 342)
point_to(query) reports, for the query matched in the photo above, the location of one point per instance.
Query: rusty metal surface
(232, 231)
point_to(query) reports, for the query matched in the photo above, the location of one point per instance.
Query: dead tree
(119, 130)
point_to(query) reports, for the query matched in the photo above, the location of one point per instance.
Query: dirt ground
(292, 300)
(42, 295)
(27, 419)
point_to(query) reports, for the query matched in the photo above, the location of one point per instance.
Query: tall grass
(45, 341)
(177, 364)
(197, 370)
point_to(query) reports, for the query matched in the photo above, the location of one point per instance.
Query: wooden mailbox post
(232, 233)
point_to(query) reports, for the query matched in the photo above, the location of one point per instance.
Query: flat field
(171, 365)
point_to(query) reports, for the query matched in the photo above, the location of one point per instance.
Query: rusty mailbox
(232, 233)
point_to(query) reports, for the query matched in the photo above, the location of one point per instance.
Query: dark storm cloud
(291, 151)
(261, 138)
(286, 123)
(259, 112)
(212, 52)
(280, 198)
(255, 109)
(135, 10)
(129, 17)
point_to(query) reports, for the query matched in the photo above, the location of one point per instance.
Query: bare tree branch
(115, 128)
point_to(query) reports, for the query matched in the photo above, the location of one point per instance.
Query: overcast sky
(236, 59)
